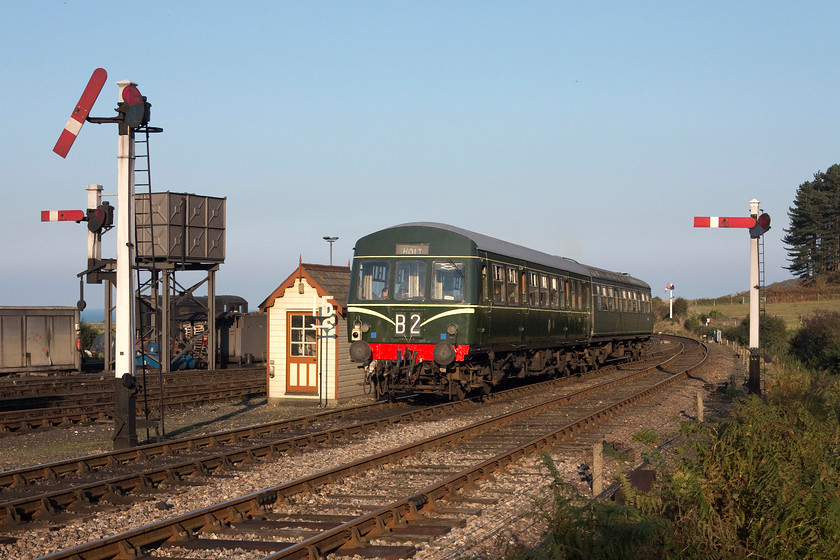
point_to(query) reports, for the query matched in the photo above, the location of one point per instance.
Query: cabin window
(555, 293)
(512, 286)
(448, 281)
(410, 280)
(302, 335)
(373, 280)
(498, 284)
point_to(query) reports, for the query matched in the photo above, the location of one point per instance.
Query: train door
(488, 295)
(301, 353)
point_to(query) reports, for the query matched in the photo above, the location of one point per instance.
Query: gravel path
(503, 527)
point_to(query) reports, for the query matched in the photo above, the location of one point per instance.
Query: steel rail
(129, 544)
(34, 418)
(27, 475)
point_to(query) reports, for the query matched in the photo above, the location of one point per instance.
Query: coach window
(555, 293)
(373, 279)
(410, 280)
(564, 296)
(544, 303)
(572, 295)
(448, 281)
(498, 283)
(533, 290)
(581, 293)
(512, 286)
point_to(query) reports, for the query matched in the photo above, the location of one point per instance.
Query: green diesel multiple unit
(433, 308)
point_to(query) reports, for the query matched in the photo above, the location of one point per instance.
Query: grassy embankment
(786, 305)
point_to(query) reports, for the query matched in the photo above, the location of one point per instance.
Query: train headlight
(360, 351)
(452, 329)
(358, 329)
(444, 353)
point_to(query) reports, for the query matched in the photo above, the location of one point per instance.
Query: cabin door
(302, 354)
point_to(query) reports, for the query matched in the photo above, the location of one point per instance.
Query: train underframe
(483, 370)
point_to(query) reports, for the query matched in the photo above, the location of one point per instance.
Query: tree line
(813, 238)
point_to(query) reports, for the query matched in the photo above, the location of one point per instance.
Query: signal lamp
(762, 224)
(100, 217)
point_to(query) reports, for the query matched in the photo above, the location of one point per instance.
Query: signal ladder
(762, 300)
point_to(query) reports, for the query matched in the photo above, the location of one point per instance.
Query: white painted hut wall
(333, 354)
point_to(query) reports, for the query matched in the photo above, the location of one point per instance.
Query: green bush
(580, 528)
(772, 334)
(762, 484)
(765, 483)
(817, 343)
(87, 333)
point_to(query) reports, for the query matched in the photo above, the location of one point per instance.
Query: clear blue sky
(593, 130)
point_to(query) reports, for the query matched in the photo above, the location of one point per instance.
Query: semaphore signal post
(133, 112)
(757, 223)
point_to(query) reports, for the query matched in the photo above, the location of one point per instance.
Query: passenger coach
(433, 308)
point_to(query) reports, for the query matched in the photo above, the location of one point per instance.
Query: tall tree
(813, 238)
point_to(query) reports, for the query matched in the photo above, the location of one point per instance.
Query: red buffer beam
(718, 222)
(62, 215)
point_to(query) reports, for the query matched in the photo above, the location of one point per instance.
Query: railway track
(28, 404)
(361, 515)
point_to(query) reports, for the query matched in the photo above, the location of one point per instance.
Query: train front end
(411, 310)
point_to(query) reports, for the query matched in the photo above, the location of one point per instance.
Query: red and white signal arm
(80, 112)
(718, 222)
(62, 215)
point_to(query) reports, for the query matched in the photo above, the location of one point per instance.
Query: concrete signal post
(757, 223)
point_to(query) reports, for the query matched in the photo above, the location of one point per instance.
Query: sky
(591, 130)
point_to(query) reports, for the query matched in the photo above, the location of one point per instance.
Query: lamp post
(330, 240)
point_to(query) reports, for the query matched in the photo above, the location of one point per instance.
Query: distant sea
(93, 315)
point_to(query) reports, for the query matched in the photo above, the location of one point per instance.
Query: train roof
(505, 248)
(618, 277)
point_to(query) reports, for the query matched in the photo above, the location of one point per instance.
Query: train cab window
(373, 280)
(410, 280)
(498, 284)
(448, 281)
(554, 293)
(512, 286)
